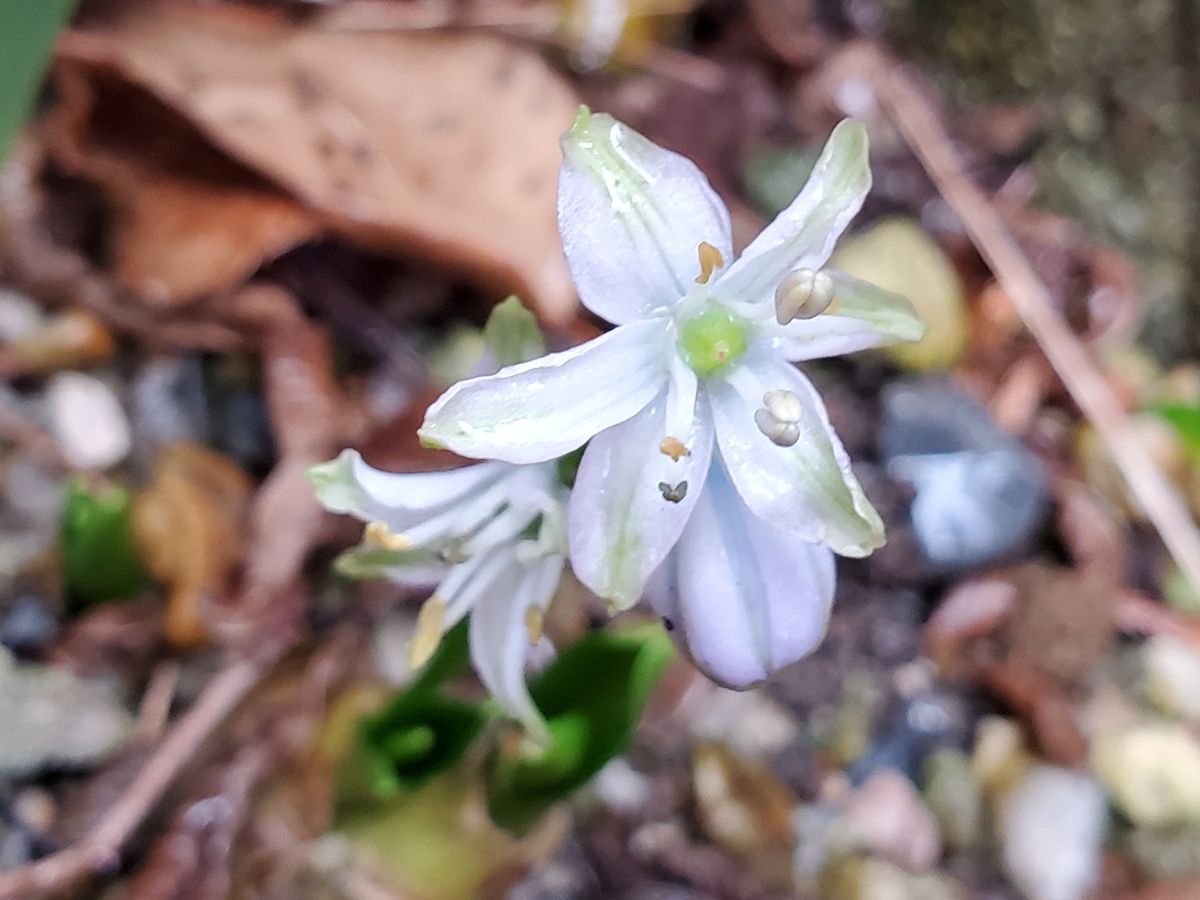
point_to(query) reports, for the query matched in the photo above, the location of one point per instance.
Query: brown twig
(101, 847)
(913, 115)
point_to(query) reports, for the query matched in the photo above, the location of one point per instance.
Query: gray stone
(980, 494)
(168, 401)
(53, 719)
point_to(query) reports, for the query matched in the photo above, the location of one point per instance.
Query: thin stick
(912, 114)
(100, 849)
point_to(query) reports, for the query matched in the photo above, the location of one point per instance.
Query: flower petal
(418, 567)
(741, 598)
(804, 234)
(807, 488)
(538, 410)
(863, 316)
(499, 637)
(346, 484)
(632, 216)
(620, 524)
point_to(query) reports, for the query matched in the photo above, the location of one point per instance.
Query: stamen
(673, 494)
(534, 619)
(780, 419)
(674, 448)
(803, 294)
(428, 635)
(379, 534)
(784, 405)
(710, 260)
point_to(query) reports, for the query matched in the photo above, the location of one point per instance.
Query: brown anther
(674, 448)
(379, 534)
(710, 260)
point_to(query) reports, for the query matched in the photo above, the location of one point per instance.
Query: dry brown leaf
(187, 220)
(189, 525)
(440, 145)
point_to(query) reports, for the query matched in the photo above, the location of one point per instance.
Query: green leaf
(99, 560)
(27, 32)
(417, 735)
(592, 697)
(1185, 419)
(512, 334)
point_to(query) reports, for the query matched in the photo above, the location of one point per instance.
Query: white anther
(803, 294)
(784, 405)
(779, 420)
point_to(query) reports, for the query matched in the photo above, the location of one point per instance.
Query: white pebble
(87, 420)
(1053, 829)
(19, 316)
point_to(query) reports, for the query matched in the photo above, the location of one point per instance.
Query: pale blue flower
(697, 370)
(741, 597)
(490, 536)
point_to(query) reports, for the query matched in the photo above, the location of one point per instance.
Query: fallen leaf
(439, 145)
(187, 220)
(189, 525)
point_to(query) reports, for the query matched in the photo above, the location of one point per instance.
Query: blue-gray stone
(980, 494)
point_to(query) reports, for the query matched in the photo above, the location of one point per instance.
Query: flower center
(711, 340)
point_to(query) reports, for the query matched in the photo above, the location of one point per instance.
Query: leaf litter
(306, 196)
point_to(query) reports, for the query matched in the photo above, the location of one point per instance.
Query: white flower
(699, 355)
(741, 597)
(490, 536)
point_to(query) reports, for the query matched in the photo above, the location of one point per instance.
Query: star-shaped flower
(699, 366)
(490, 536)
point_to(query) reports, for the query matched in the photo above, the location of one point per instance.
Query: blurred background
(236, 238)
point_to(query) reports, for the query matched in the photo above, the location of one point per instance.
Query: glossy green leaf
(416, 736)
(592, 697)
(99, 560)
(512, 334)
(27, 32)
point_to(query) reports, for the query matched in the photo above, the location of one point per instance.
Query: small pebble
(19, 316)
(32, 491)
(1166, 853)
(898, 255)
(1052, 832)
(980, 494)
(888, 817)
(168, 401)
(1172, 676)
(87, 420)
(1153, 773)
(954, 795)
(35, 809)
(621, 787)
(27, 624)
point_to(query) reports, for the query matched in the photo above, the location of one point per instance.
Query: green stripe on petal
(632, 216)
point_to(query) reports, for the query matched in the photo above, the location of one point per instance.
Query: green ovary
(712, 340)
